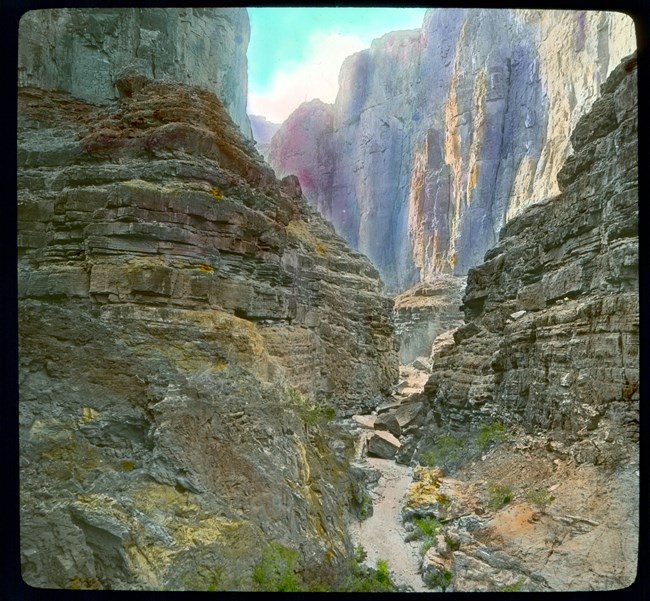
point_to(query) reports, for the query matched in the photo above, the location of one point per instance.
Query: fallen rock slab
(365, 421)
(388, 421)
(407, 413)
(383, 444)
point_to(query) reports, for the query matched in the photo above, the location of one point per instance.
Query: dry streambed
(382, 534)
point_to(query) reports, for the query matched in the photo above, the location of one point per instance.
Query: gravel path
(382, 534)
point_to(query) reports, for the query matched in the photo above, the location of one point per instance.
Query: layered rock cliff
(548, 359)
(84, 52)
(440, 135)
(188, 329)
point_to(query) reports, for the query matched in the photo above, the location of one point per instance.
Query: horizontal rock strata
(550, 348)
(424, 312)
(188, 326)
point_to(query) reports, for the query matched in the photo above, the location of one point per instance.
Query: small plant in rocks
(500, 495)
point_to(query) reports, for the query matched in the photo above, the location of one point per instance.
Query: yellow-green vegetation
(500, 495)
(368, 580)
(540, 497)
(489, 433)
(128, 465)
(425, 486)
(512, 588)
(439, 579)
(276, 571)
(217, 194)
(452, 544)
(366, 507)
(310, 412)
(426, 529)
(205, 268)
(446, 448)
(300, 230)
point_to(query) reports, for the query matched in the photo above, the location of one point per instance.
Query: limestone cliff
(84, 52)
(440, 135)
(188, 328)
(550, 348)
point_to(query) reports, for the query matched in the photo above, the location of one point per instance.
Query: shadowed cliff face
(188, 328)
(440, 135)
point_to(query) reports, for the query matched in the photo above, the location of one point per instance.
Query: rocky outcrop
(263, 130)
(189, 328)
(441, 135)
(424, 312)
(550, 348)
(84, 52)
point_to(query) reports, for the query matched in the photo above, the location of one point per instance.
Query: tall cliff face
(83, 52)
(188, 326)
(553, 310)
(441, 135)
(550, 349)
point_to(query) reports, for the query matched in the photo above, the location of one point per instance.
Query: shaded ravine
(382, 534)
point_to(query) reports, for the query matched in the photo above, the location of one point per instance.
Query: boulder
(388, 421)
(383, 444)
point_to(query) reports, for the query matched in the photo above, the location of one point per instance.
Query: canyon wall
(547, 365)
(262, 130)
(438, 136)
(551, 333)
(84, 52)
(189, 328)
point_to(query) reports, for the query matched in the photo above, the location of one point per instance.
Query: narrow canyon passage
(382, 534)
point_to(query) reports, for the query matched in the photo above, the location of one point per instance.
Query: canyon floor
(382, 534)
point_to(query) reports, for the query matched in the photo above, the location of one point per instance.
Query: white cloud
(316, 77)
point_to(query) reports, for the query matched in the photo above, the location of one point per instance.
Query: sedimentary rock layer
(549, 354)
(84, 52)
(188, 324)
(424, 312)
(440, 135)
(551, 334)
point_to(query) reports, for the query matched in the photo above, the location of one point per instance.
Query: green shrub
(368, 580)
(365, 509)
(429, 542)
(445, 449)
(453, 544)
(489, 433)
(540, 497)
(500, 495)
(360, 554)
(310, 412)
(438, 579)
(276, 570)
(426, 529)
(428, 526)
(512, 588)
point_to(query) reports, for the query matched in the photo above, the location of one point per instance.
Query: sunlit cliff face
(442, 135)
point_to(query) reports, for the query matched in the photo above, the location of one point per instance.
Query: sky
(295, 54)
